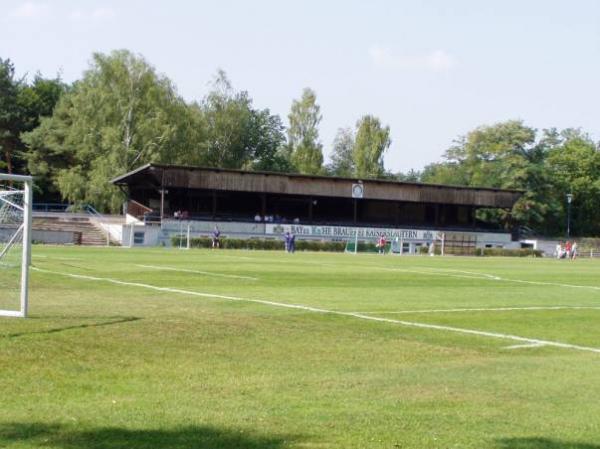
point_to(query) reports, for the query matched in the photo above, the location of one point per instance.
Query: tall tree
(573, 164)
(342, 156)
(239, 136)
(306, 151)
(505, 155)
(11, 123)
(267, 141)
(22, 105)
(120, 115)
(372, 140)
(228, 116)
(38, 100)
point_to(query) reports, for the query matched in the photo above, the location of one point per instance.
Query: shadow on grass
(56, 436)
(108, 322)
(542, 443)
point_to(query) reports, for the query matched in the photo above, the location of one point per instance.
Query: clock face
(357, 191)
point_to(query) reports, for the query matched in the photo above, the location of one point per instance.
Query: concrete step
(90, 234)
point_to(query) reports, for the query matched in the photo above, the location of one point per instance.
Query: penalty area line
(478, 333)
(480, 309)
(204, 273)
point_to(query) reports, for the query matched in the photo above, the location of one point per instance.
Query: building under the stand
(265, 204)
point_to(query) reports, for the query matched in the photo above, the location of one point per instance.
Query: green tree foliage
(120, 115)
(508, 156)
(239, 136)
(410, 176)
(573, 163)
(10, 114)
(267, 141)
(342, 157)
(305, 150)
(228, 116)
(22, 104)
(372, 140)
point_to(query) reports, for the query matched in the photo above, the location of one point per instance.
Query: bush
(262, 244)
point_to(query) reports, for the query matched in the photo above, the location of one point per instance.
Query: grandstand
(264, 204)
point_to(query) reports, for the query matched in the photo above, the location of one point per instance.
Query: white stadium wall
(152, 235)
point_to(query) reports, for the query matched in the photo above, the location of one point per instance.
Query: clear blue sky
(431, 69)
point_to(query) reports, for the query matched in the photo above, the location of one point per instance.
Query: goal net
(15, 243)
(373, 245)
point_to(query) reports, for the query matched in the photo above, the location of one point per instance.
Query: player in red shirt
(381, 244)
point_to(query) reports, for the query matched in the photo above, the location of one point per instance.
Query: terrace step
(91, 234)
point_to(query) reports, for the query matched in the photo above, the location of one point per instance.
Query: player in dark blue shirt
(215, 238)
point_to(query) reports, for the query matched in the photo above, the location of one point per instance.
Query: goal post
(16, 194)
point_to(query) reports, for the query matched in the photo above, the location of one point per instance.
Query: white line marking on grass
(57, 258)
(470, 273)
(434, 273)
(481, 309)
(525, 346)
(361, 316)
(475, 275)
(236, 257)
(204, 273)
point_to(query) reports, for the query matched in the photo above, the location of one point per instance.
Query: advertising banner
(346, 232)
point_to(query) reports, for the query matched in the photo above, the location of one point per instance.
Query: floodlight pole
(569, 199)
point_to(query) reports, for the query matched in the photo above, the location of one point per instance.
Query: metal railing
(51, 207)
(86, 209)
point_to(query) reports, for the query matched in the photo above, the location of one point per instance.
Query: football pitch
(174, 349)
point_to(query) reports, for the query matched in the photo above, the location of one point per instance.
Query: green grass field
(169, 349)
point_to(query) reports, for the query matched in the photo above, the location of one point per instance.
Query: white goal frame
(25, 229)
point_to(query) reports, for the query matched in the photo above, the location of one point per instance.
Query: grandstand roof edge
(119, 180)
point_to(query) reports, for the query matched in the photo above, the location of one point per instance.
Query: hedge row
(254, 243)
(367, 247)
(486, 252)
(501, 252)
(316, 245)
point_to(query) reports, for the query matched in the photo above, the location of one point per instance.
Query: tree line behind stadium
(75, 137)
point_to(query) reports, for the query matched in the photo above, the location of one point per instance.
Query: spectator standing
(558, 250)
(381, 244)
(292, 243)
(574, 251)
(568, 248)
(216, 234)
(287, 239)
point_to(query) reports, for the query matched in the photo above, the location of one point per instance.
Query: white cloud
(76, 15)
(436, 61)
(440, 61)
(97, 14)
(30, 10)
(103, 13)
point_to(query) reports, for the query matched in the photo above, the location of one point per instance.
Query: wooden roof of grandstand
(191, 177)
